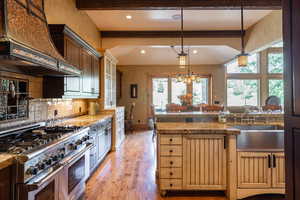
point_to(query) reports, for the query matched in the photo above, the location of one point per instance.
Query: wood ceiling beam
(171, 34)
(175, 4)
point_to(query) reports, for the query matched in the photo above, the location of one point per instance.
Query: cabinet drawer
(170, 161)
(170, 173)
(170, 139)
(170, 184)
(170, 150)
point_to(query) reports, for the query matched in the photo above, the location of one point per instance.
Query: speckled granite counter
(207, 127)
(86, 120)
(6, 160)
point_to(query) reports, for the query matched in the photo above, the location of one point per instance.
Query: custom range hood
(25, 43)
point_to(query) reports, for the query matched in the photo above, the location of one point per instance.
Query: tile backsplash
(44, 109)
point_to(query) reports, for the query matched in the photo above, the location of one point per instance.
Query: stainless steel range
(52, 162)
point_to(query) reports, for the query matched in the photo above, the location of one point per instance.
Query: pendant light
(243, 57)
(182, 55)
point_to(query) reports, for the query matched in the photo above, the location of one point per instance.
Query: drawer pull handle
(171, 173)
(171, 185)
(171, 151)
(171, 162)
(171, 140)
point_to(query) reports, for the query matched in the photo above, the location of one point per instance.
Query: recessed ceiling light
(128, 17)
(195, 51)
(143, 51)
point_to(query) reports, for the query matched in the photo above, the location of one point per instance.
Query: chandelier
(242, 57)
(184, 60)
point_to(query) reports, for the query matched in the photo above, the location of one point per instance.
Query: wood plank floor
(129, 174)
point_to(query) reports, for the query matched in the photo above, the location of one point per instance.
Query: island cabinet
(196, 157)
(260, 173)
(80, 54)
(204, 162)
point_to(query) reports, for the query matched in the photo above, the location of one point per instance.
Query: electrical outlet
(55, 113)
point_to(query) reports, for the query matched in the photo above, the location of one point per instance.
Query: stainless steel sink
(258, 127)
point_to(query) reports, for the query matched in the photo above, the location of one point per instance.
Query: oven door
(46, 188)
(75, 173)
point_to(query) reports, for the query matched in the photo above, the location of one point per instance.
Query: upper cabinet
(81, 55)
(109, 82)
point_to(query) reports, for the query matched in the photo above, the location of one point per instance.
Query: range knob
(32, 171)
(54, 158)
(86, 138)
(72, 146)
(78, 142)
(48, 161)
(62, 155)
(40, 165)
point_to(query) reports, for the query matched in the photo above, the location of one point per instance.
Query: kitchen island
(215, 156)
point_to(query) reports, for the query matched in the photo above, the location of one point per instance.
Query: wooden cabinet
(118, 127)
(101, 137)
(254, 170)
(84, 57)
(109, 82)
(278, 170)
(6, 184)
(260, 173)
(204, 162)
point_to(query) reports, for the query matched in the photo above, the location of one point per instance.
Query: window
(160, 93)
(242, 92)
(167, 90)
(233, 68)
(276, 89)
(178, 89)
(200, 91)
(275, 63)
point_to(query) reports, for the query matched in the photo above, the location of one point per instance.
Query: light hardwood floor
(129, 174)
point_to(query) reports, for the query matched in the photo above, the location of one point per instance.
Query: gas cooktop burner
(29, 140)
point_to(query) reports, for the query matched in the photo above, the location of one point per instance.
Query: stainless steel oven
(44, 188)
(75, 172)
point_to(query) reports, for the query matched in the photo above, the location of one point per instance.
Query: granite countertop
(6, 160)
(86, 120)
(206, 127)
(262, 114)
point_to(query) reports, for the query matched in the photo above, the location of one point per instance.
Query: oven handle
(74, 158)
(36, 185)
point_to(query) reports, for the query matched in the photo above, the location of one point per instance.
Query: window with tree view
(160, 93)
(242, 92)
(178, 89)
(276, 89)
(252, 68)
(200, 91)
(275, 63)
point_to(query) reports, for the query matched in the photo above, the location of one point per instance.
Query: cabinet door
(86, 64)
(6, 189)
(72, 84)
(204, 162)
(254, 170)
(72, 52)
(96, 75)
(278, 170)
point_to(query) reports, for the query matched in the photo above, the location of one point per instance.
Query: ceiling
(164, 55)
(115, 20)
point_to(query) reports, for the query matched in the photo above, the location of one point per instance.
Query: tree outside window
(275, 63)
(276, 88)
(242, 92)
